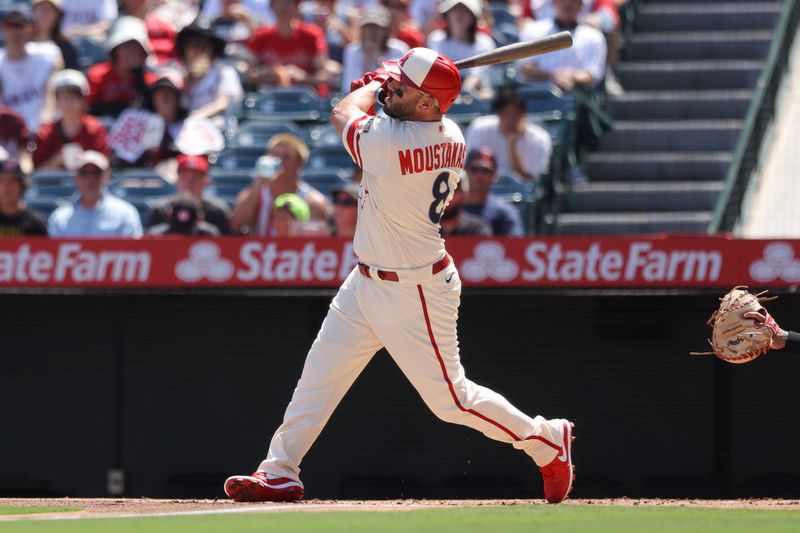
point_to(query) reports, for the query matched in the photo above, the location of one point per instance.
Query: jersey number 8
(441, 190)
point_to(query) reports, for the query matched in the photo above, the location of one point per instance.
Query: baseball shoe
(559, 474)
(259, 488)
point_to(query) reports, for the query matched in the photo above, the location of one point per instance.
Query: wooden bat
(512, 52)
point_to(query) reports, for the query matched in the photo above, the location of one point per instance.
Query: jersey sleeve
(367, 139)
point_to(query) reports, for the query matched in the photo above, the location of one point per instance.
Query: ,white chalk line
(200, 512)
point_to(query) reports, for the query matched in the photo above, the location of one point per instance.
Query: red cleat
(259, 488)
(560, 472)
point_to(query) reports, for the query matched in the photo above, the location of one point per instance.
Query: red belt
(388, 275)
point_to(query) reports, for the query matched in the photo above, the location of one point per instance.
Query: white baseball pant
(415, 319)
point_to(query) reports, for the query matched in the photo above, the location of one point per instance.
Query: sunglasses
(345, 202)
(478, 169)
(94, 172)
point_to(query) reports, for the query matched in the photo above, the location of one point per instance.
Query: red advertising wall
(651, 261)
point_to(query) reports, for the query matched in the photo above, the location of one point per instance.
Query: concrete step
(657, 46)
(627, 196)
(685, 135)
(658, 166)
(680, 105)
(708, 16)
(689, 75)
(633, 223)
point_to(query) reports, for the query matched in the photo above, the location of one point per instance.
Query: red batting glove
(379, 74)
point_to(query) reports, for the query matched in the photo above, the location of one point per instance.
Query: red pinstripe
(452, 390)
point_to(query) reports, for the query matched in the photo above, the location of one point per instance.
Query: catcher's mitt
(742, 328)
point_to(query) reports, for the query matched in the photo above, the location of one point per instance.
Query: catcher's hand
(742, 329)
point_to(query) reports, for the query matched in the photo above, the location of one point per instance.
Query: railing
(748, 154)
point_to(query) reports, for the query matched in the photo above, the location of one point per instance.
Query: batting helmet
(430, 72)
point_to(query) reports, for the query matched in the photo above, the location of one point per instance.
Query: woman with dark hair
(461, 39)
(372, 48)
(47, 17)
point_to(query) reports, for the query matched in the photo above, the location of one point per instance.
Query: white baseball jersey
(24, 84)
(588, 50)
(410, 172)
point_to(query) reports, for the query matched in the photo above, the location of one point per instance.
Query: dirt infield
(113, 507)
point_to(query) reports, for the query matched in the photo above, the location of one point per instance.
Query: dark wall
(181, 391)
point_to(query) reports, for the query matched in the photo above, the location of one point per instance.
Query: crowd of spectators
(75, 75)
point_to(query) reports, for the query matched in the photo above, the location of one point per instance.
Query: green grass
(509, 519)
(13, 509)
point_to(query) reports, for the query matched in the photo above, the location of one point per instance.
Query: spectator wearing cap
(213, 87)
(373, 48)
(290, 52)
(93, 211)
(259, 11)
(481, 173)
(345, 210)
(75, 127)
(88, 18)
(47, 19)
(276, 173)
(184, 216)
(193, 179)
(581, 65)
(234, 24)
(16, 219)
(160, 30)
(457, 222)
(25, 71)
(461, 39)
(402, 27)
(289, 212)
(121, 82)
(518, 145)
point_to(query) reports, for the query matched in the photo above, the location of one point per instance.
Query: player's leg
(423, 341)
(343, 347)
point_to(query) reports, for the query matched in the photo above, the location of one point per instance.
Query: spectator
(276, 175)
(481, 170)
(402, 28)
(94, 212)
(160, 30)
(345, 210)
(75, 128)
(14, 136)
(121, 82)
(184, 216)
(88, 18)
(373, 48)
(337, 19)
(457, 222)
(234, 24)
(581, 65)
(461, 39)
(193, 179)
(213, 87)
(289, 212)
(47, 18)
(25, 71)
(291, 52)
(16, 219)
(518, 145)
(258, 10)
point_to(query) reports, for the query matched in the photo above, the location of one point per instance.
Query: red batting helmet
(430, 72)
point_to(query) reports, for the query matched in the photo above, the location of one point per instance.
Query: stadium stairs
(688, 69)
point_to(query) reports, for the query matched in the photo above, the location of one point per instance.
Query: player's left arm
(355, 104)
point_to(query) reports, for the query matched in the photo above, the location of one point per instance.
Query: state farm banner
(661, 261)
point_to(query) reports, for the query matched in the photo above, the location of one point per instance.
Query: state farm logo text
(71, 263)
(551, 262)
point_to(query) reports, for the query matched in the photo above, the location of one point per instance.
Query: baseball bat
(512, 52)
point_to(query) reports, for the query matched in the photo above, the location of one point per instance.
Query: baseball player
(404, 294)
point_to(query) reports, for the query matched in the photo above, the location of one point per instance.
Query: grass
(510, 519)
(13, 509)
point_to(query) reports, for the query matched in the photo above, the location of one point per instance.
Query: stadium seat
(49, 177)
(298, 104)
(228, 183)
(140, 183)
(89, 52)
(330, 157)
(258, 132)
(323, 135)
(44, 205)
(467, 108)
(237, 157)
(326, 179)
(524, 195)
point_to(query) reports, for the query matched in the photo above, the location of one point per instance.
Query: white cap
(92, 157)
(70, 78)
(125, 29)
(473, 5)
(267, 166)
